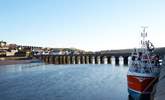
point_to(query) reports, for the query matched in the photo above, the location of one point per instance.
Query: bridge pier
(109, 60)
(96, 61)
(82, 60)
(51, 59)
(56, 59)
(102, 60)
(117, 60)
(47, 59)
(86, 60)
(73, 60)
(126, 60)
(43, 58)
(90, 60)
(93, 59)
(67, 59)
(77, 60)
(63, 60)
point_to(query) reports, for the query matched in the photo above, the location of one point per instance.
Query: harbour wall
(160, 87)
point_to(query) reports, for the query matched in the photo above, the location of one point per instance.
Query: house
(2, 44)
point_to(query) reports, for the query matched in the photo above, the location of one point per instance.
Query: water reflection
(63, 82)
(121, 61)
(93, 60)
(19, 67)
(113, 60)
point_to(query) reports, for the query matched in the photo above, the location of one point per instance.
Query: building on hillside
(3, 48)
(3, 44)
(12, 46)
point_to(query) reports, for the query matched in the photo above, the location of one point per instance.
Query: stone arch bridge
(96, 58)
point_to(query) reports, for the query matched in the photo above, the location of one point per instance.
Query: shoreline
(16, 60)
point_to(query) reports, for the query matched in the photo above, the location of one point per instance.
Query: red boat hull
(141, 84)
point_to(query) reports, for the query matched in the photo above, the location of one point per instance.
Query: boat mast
(144, 41)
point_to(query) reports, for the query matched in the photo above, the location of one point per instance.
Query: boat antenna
(144, 35)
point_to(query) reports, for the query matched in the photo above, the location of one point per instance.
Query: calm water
(38, 81)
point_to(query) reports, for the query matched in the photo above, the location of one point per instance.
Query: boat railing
(145, 69)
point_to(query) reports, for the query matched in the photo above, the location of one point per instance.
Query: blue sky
(85, 24)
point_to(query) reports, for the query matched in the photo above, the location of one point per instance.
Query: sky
(85, 24)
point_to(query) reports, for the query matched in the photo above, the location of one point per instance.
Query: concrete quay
(160, 87)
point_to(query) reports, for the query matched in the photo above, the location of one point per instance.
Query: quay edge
(160, 87)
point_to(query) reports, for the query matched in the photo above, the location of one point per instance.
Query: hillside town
(7, 50)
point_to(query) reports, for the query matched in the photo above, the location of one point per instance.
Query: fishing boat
(143, 70)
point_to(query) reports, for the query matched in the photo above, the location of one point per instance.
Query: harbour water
(38, 81)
